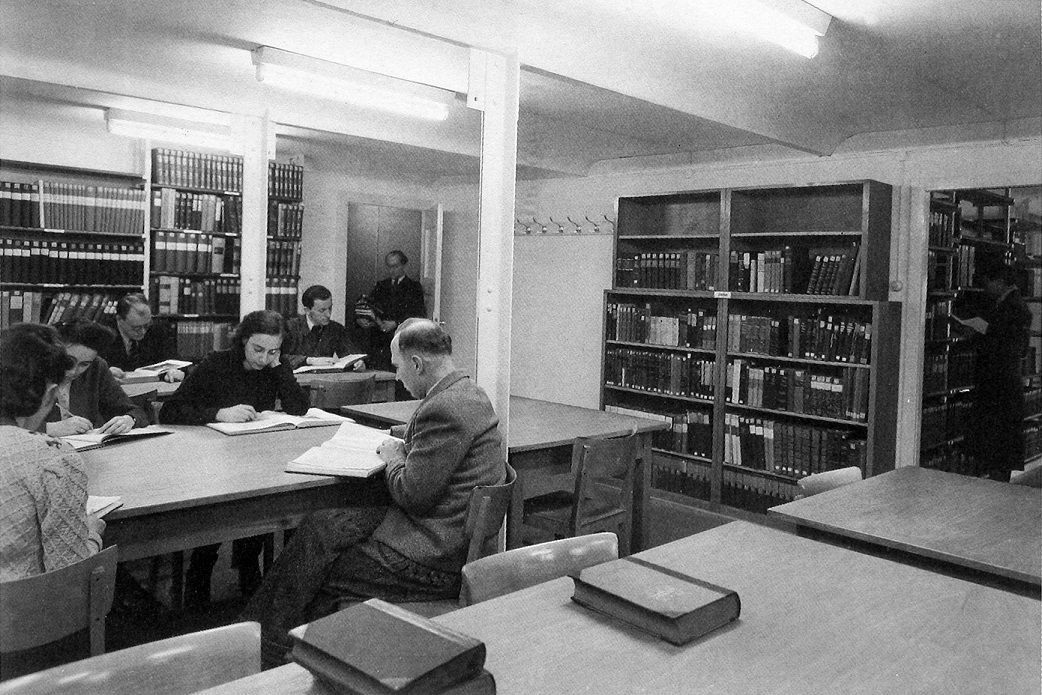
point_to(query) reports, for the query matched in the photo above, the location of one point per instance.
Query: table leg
(641, 490)
(515, 513)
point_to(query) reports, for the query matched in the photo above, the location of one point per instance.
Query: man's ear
(418, 363)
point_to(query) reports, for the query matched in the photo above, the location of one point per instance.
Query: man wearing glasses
(140, 342)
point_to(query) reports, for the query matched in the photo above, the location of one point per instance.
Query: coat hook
(578, 227)
(542, 227)
(609, 221)
(560, 227)
(527, 226)
(596, 227)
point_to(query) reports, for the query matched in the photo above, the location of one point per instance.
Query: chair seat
(556, 508)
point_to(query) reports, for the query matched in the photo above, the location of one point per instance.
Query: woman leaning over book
(235, 385)
(43, 486)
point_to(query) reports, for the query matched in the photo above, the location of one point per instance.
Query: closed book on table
(672, 605)
(378, 648)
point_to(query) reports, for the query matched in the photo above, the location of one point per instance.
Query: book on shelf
(100, 506)
(269, 421)
(351, 452)
(344, 364)
(94, 439)
(377, 648)
(674, 606)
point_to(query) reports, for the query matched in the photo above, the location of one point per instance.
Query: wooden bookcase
(710, 325)
(966, 227)
(72, 241)
(197, 238)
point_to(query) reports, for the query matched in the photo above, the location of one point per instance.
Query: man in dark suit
(393, 299)
(139, 342)
(407, 541)
(314, 337)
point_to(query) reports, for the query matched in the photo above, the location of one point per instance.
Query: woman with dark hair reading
(43, 486)
(235, 385)
(89, 397)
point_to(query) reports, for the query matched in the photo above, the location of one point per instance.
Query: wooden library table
(815, 618)
(384, 390)
(541, 436)
(198, 486)
(980, 525)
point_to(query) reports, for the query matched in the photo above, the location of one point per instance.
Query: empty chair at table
(517, 569)
(175, 666)
(602, 496)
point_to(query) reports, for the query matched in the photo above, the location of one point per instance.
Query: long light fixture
(343, 83)
(136, 124)
(791, 24)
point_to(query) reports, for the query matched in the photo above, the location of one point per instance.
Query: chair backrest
(598, 460)
(175, 666)
(1030, 478)
(829, 480)
(333, 393)
(485, 515)
(146, 401)
(46, 607)
(520, 568)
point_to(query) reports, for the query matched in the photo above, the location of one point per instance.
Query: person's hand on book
(173, 376)
(117, 425)
(359, 366)
(391, 450)
(74, 424)
(96, 524)
(237, 413)
(117, 373)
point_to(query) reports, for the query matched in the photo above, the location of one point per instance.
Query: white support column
(258, 135)
(494, 82)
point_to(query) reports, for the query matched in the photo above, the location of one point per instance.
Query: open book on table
(92, 439)
(100, 506)
(343, 364)
(154, 372)
(269, 420)
(351, 452)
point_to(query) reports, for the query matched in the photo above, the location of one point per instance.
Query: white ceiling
(601, 79)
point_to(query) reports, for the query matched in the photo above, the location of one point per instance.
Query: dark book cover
(377, 647)
(671, 605)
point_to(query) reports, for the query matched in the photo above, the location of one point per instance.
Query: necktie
(135, 349)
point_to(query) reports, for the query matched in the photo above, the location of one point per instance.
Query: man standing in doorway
(394, 299)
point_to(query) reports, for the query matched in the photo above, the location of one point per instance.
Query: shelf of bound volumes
(285, 231)
(71, 241)
(790, 371)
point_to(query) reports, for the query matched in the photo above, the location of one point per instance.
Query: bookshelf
(285, 230)
(197, 237)
(968, 227)
(755, 322)
(71, 241)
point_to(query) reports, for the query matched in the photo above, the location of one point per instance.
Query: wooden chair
(176, 666)
(485, 514)
(829, 480)
(146, 401)
(602, 497)
(330, 394)
(521, 568)
(47, 607)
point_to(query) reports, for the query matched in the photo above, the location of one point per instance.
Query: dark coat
(159, 343)
(995, 435)
(300, 343)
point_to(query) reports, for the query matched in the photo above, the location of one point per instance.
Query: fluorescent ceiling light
(791, 24)
(147, 126)
(350, 85)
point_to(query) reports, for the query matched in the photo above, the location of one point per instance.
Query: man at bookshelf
(313, 338)
(393, 299)
(141, 342)
(406, 542)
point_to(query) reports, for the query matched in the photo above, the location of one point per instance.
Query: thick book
(153, 372)
(344, 364)
(269, 421)
(674, 606)
(93, 440)
(100, 506)
(351, 452)
(377, 648)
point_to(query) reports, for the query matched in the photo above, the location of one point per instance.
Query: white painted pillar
(258, 135)
(493, 89)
